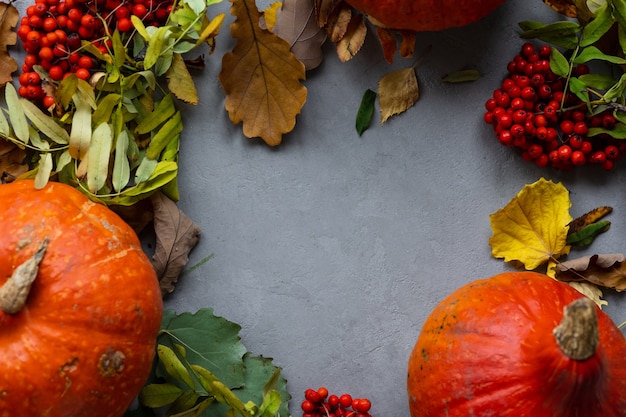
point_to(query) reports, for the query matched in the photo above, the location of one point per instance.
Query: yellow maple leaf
(261, 77)
(532, 227)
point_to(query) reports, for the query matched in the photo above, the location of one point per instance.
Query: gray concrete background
(331, 249)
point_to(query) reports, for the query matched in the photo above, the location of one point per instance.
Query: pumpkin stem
(577, 334)
(15, 290)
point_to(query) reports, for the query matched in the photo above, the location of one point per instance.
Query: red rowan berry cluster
(52, 31)
(532, 111)
(317, 403)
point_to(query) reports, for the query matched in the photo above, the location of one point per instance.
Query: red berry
(578, 158)
(307, 406)
(362, 405)
(581, 128)
(124, 25)
(323, 392)
(345, 400)
(56, 73)
(565, 152)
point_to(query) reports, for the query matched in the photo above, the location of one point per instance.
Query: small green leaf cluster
(597, 36)
(203, 369)
(117, 136)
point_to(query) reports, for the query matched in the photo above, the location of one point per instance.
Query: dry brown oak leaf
(176, 236)
(261, 78)
(8, 19)
(605, 270)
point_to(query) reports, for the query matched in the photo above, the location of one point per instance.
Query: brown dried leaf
(353, 39)
(261, 78)
(565, 7)
(323, 9)
(606, 270)
(12, 161)
(407, 47)
(297, 24)
(589, 218)
(388, 42)
(397, 92)
(8, 19)
(176, 236)
(338, 21)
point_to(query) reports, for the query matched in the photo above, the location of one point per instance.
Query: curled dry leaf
(353, 40)
(323, 9)
(591, 291)
(588, 218)
(397, 92)
(388, 42)
(176, 236)
(565, 7)
(296, 22)
(607, 270)
(8, 19)
(261, 78)
(338, 21)
(13, 161)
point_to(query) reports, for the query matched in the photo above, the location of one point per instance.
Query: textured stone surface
(331, 249)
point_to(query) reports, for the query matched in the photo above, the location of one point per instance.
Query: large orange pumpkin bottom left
(83, 343)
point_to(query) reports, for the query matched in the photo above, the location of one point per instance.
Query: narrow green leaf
(621, 38)
(80, 133)
(105, 108)
(156, 46)
(366, 111)
(561, 33)
(164, 135)
(121, 167)
(173, 366)
(36, 141)
(163, 174)
(619, 11)
(220, 391)
(587, 234)
(87, 93)
(591, 52)
(187, 402)
(44, 168)
(145, 170)
(159, 395)
(271, 404)
(16, 113)
(163, 111)
(63, 159)
(461, 76)
(558, 63)
(119, 51)
(66, 89)
(46, 124)
(594, 30)
(99, 156)
(5, 129)
(139, 27)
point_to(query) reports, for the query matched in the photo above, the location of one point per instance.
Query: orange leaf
(261, 78)
(388, 42)
(8, 19)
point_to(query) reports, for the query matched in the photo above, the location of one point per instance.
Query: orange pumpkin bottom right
(518, 344)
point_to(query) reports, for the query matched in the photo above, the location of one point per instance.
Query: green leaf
(461, 76)
(186, 402)
(119, 51)
(173, 365)
(618, 132)
(145, 170)
(616, 91)
(159, 395)
(156, 46)
(80, 133)
(212, 342)
(619, 11)
(366, 111)
(591, 52)
(219, 391)
(164, 135)
(46, 124)
(99, 155)
(579, 88)
(594, 30)
(597, 81)
(139, 27)
(561, 33)
(66, 89)
(105, 107)
(5, 129)
(121, 166)
(44, 168)
(558, 63)
(16, 113)
(587, 234)
(163, 111)
(164, 173)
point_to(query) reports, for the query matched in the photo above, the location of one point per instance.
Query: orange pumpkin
(83, 341)
(519, 344)
(425, 15)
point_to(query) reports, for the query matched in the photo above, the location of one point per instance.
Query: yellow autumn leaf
(261, 78)
(270, 14)
(397, 92)
(532, 227)
(180, 82)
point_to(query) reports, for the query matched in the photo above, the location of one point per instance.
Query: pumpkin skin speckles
(84, 342)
